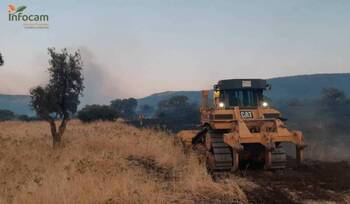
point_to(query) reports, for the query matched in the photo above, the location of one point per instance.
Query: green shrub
(97, 112)
(6, 115)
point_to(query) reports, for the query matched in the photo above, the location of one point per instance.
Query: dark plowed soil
(316, 180)
(313, 181)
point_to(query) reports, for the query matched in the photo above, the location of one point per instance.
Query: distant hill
(154, 99)
(283, 88)
(18, 104)
(302, 87)
(307, 86)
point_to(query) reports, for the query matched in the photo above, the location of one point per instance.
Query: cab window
(242, 97)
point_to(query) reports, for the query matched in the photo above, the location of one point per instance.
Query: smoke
(101, 86)
(327, 150)
(19, 76)
(325, 130)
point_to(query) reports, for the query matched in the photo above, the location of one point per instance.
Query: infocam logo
(17, 14)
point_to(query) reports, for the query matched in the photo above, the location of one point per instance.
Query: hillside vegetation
(290, 87)
(283, 88)
(103, 162)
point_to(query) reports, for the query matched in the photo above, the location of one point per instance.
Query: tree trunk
(62, 128)
(57, 135)
(56, 141)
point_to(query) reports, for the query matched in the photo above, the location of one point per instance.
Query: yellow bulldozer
(240, 127)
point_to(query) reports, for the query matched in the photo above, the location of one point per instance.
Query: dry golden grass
(103, 162)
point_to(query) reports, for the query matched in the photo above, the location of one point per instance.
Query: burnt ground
(315, 180)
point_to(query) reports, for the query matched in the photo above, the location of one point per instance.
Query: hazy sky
(135, 48)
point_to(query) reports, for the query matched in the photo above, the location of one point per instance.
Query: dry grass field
(103, 162)
(111, 162)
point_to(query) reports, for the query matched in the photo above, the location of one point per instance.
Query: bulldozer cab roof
(241, 84)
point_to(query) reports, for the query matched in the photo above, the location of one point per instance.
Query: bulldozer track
(278, 159)
(219, 156)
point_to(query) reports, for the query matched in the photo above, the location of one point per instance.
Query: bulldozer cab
(244, 93)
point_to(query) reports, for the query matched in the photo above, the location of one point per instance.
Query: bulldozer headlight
(265, 104)
(221, 105)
